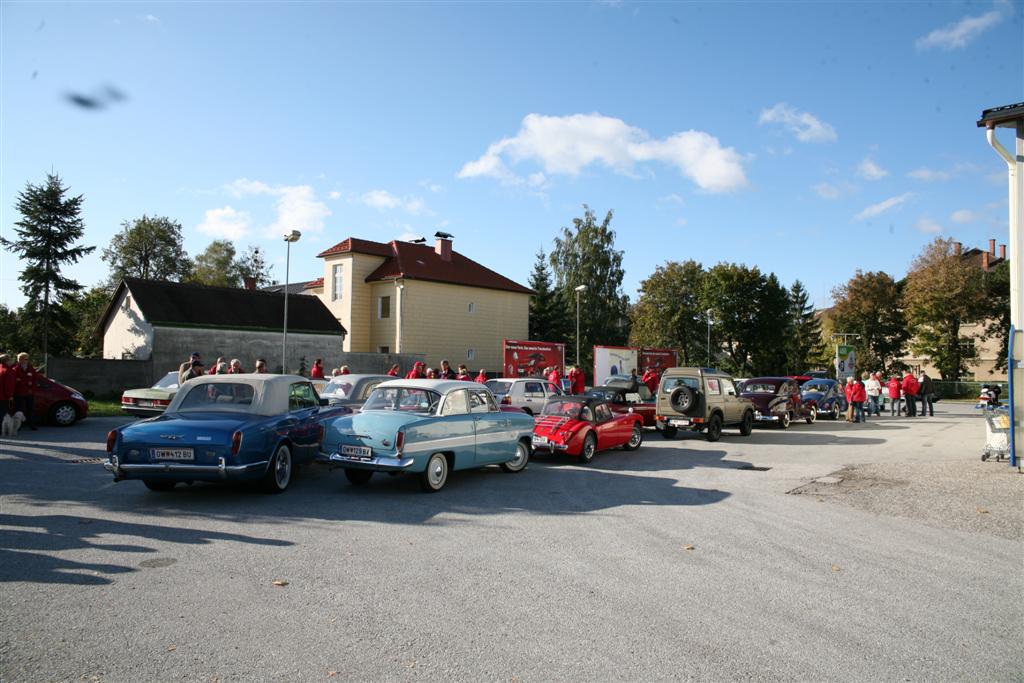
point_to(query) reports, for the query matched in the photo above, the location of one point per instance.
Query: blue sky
(809, 139)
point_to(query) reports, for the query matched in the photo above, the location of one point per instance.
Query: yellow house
(404, 297)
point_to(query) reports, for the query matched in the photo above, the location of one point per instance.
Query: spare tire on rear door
(683, 399)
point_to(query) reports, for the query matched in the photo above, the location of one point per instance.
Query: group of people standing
(444, 371)
(18, 380)
(194, 367)
(864, 396)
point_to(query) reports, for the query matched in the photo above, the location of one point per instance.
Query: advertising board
(615, 360)
(846, 361)
(529, 358)
(659, 359)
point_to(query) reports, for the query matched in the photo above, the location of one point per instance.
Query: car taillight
(111, 440)
(320, 431)
(506, 400)
(127, 399)
(399, 442)
(236, 443)
(161, 402)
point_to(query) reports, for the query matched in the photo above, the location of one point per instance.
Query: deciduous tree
(47, 239)
(85, 309)
(668, 312)
(216, 266)
(997, 313)
(151, 248)
(252, 264)
(868, 305)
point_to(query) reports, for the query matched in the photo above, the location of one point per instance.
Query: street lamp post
(708, 314)
(293, 236)
(579, 290)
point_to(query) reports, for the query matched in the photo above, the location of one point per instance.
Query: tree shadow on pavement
(24, 540)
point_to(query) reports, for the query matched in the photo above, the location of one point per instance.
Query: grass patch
(105, 408)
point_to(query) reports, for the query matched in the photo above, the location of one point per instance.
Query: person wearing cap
(195, 370)
(417, 371)
(186, 367)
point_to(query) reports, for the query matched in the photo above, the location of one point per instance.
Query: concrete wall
(127, 332)
(173, 345)
(97, 377)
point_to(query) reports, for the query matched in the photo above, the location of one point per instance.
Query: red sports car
(584, 425)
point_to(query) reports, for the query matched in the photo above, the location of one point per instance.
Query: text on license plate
(173, 454)
(540, 441)
(679, 423)
(357, 451)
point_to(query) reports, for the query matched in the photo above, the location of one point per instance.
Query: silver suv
(701, 399)
(529, 393)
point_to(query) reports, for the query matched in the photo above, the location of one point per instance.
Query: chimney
(250, 284)
(1002, 252)
(958, 247)
(443, 246)
(984, 260)
(992, 247)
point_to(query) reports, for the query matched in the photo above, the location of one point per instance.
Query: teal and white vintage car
(429, 428)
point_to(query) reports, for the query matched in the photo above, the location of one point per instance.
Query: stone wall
(96, 377)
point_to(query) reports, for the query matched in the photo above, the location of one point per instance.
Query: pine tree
(804, 348)
(50, 226)
(547, 313)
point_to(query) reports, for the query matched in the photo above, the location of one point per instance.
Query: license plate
(144, 404)
(540, 441)
(679, 423)
(361, 452)
(173, 454)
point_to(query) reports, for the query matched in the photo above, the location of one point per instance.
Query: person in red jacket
(482, 377)
(555, 377)
(317, 371)
(25, 378)
(463, 375)
(215, 368)
(417, 371)
(895, 393)
(577, 380)
(910, 387)
(236, 367)
(651, 378)
(7, 379)
(393, 372)
(858, 395)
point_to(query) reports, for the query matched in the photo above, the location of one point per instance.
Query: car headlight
(77, 396)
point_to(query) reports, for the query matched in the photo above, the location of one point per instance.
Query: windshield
(606, 394)
(498, 387)
(671, 383)
(337, 389)
(217, 397)
(570, 409)
(816, 385)
(168, 381)
(403, 399)
(751, 387)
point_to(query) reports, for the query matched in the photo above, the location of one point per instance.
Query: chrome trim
(222, 468)
(381, 462)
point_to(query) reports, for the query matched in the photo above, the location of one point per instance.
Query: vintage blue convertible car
(430, 428)
(246, 427)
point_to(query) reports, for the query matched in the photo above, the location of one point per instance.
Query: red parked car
(57, 403)
(777, 400)
(583, 425)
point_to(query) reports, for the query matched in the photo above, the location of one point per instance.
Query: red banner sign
(529, 358)
(659, 359)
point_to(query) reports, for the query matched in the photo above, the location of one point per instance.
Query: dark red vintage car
(777, 400)
(583, 425)
(623, 400)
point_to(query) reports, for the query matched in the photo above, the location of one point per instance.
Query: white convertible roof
(270, 392)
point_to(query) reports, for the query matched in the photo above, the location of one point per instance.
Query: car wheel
(714, 428)
(589, 448)
(64, 414)
(747, 425)
(154, 485)
(519, 463)
(668, 432)
(528, 411)
(635, 439)
(784, 420)
(683, 399)
(279, 474)
(358, 477)
(812, 415)
(435, 476)
(835, 411)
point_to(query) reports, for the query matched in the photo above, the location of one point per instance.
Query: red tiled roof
(357, 246)
(313, 284)
(976, 256)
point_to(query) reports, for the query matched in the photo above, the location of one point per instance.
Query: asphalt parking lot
(683, 560)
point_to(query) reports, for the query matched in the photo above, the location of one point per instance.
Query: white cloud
(869, 170)
(431, 186)
(225, 223)
(565, 145)
(964, 216)
(805, 126)
(882, 207)
(958, 35)
(335, 195)
(929, 227)
(151, 19)
(297, 205)
(929, 175)
(671, 199)
(381, 199)
(827, 191)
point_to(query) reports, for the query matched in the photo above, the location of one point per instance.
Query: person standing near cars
(317, 371)
(394, 371)
(186, 367)
(873, 387)
(482, 377)
(555, 377)
(417, 371)
(578, 380)
(7, 379)
(446, 371)
(261, 367)
(25, 378)
(927, 395)
(910, 388)
(236, 367)
(463, 374)
(895, 396)
(858, 395)
(215, 368)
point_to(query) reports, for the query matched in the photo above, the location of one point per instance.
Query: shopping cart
(997, 432)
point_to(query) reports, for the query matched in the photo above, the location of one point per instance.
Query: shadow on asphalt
(26, 535)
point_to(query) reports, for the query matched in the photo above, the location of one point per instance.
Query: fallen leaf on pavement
(836, 568)
(172, 648)
(688, 546)
(279, 582)
(332, 674)
(983, 511)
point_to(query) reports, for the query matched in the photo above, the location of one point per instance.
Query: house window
(338, 282)
(127, 302)
(383, 307)
(472, 307)
(383, 349)
(470, 354)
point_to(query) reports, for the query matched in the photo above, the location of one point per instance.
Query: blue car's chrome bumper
(209, 472)
(376, 462)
